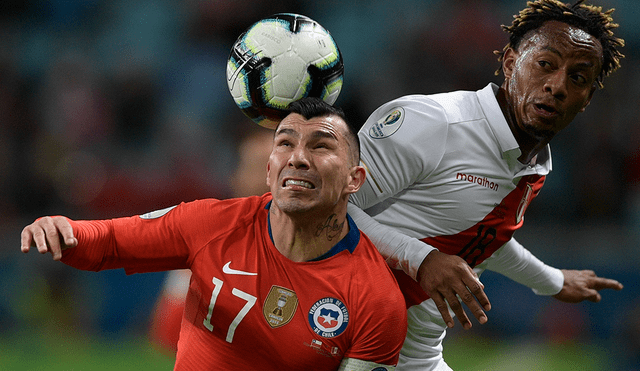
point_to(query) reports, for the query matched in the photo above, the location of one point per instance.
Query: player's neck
(303, 239)
(529, 145)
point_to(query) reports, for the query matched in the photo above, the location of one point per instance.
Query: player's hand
(48, 234)
(445, 278)
(584, 285)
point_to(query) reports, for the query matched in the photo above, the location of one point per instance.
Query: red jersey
(248, 306)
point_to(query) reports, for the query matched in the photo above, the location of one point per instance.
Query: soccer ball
(281, 59)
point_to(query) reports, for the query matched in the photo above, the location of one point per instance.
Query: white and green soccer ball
(281, 59)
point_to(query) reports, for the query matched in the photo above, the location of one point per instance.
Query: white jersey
(444, 169)
(443, 172)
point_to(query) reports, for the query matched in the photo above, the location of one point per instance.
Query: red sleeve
(138, 245)
(160, 240)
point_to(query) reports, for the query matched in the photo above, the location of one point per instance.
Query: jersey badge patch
(328, 317)
(279, 306)
(156, 214)
(388, 125)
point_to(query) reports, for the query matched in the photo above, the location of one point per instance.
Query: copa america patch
(387, 125)
(328, 317)
(279, 306)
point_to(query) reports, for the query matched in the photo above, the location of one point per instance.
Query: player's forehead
(330, 127)
(564, 40)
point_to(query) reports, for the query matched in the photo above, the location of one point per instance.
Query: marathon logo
(481, 181)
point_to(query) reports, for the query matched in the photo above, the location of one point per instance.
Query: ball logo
(388, 125)
(328, 317)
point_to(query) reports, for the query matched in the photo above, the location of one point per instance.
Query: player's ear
(356, 179)
(508, 62)
(593, 90)
(268, 173)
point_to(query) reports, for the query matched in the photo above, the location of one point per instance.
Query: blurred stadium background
(114, 108)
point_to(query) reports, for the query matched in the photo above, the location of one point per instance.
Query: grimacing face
(309, 167)
(551, 78)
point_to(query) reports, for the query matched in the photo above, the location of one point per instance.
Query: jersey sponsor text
(482, 181)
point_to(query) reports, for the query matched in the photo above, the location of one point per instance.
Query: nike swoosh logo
(227, 270)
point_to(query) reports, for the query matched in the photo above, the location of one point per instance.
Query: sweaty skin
(549, 80)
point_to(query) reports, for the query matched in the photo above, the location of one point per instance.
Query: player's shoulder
(454, 106)
(231, 210)
(231, 203)
(417, 113)
(459, 106)
(441, 101)
(369, 259)
(407, 110)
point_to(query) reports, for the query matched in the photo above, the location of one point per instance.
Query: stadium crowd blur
(114, 108)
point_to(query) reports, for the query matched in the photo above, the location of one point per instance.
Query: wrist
(422, 268)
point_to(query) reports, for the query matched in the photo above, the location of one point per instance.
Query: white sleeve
(519, 264)
(401, 143)
(399, 250)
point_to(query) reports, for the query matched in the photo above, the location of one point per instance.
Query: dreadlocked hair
(589, 18)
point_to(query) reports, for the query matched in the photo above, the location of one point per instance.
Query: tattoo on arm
(331, 226)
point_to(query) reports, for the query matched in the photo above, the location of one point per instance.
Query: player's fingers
(469, 299)
(605, 283)
(441, 304)
(56, 250)
(594, 296)
(39, 238)
(477, 290)
(457, 308)
(26, 239)
(52, 237)
(65, 232)
(53, 240)
(474, 275)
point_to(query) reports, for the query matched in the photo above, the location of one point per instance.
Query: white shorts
(422, 349)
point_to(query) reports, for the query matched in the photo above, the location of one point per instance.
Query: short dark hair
(310, 107)
(588, 18)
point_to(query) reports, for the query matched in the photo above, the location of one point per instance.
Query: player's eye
(544, 64)
(283, 142)
(579, 79)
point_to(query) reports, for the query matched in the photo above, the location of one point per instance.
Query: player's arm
(517, 263)
(443, 277)
(83, 244)
(395, 159)
(399, 250)
(130, 242)
(572, 286)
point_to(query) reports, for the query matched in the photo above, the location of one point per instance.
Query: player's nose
(300, 158)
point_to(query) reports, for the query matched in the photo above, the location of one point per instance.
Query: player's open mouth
(299, 183)
(546, 110)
